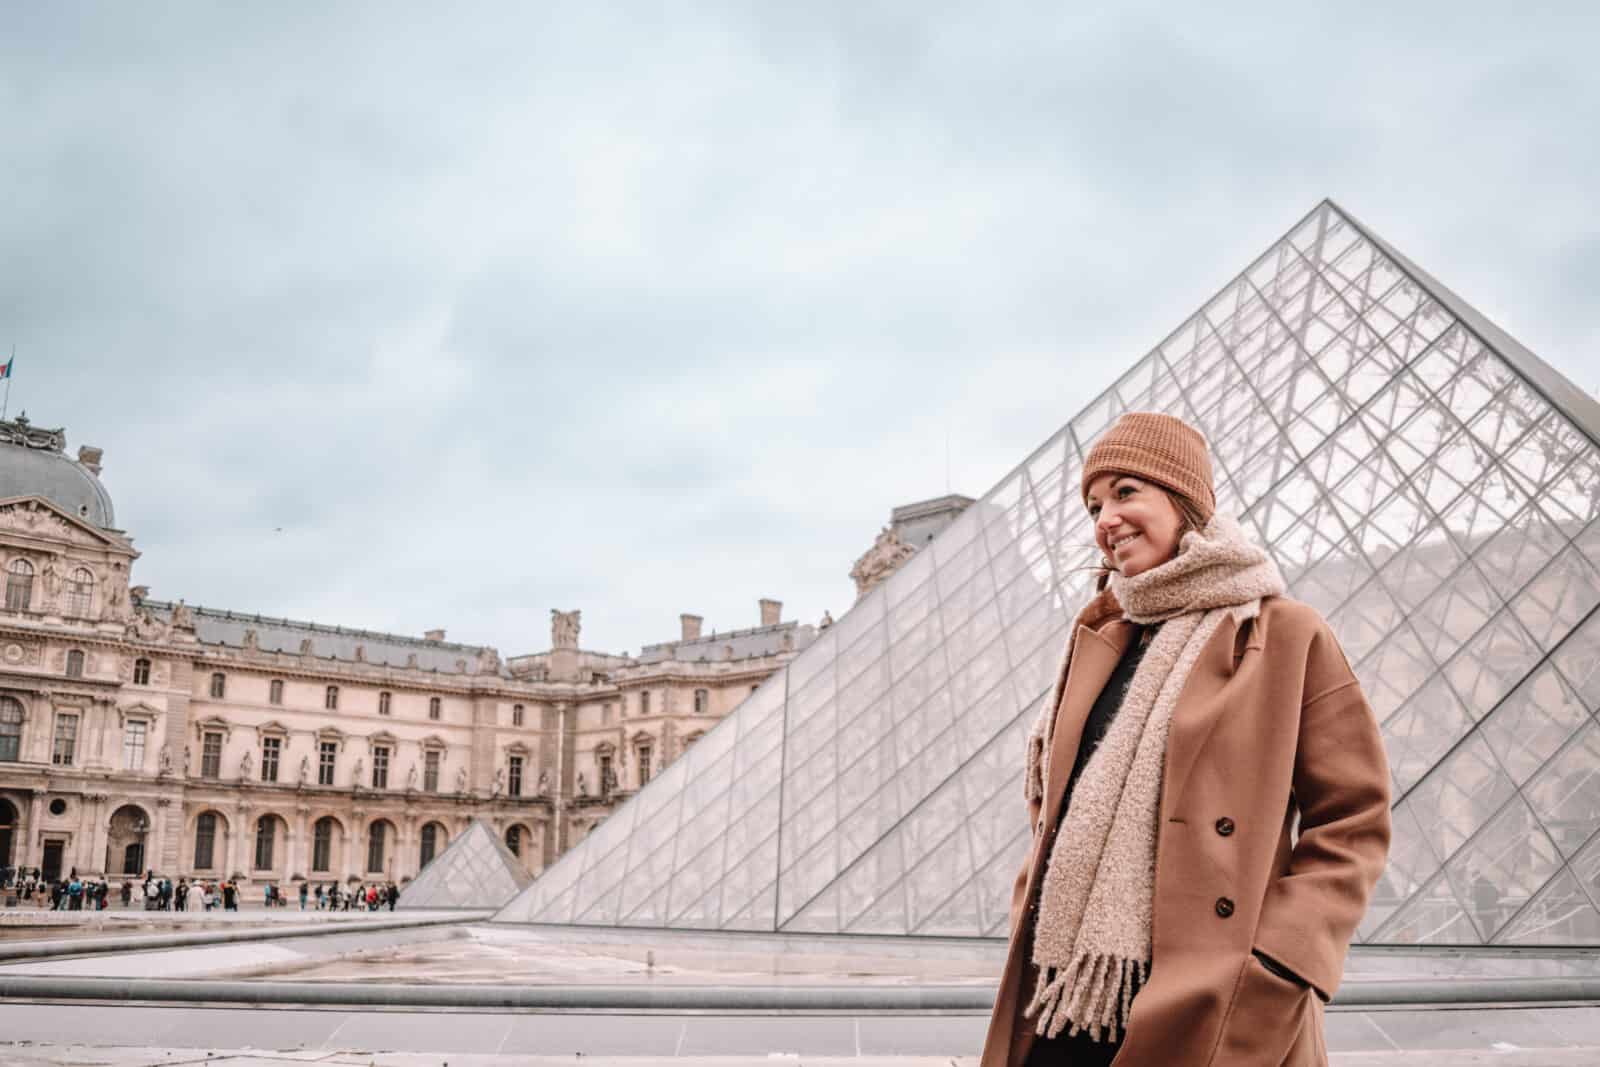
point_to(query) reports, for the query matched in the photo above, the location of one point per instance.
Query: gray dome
(33, 463)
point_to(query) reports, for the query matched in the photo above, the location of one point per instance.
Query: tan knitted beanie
(1160, 448)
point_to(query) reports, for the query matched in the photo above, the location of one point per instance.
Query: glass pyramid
(1423, 480)
(476, 871)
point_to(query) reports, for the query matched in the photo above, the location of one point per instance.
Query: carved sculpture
(488, 661)
(885, 557)
(461, 779)
(583, 785)
(252, 641)
(186, 761)
(52, 577)
(499, 780)
(305, 769)
(164, 763)
(411, 778)
(544, 784)
(246, 764)
(356, 773)
(564, 626)
(182, 616)
(146, 627)
(307, 648)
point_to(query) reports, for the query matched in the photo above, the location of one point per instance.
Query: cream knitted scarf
(1091, 938)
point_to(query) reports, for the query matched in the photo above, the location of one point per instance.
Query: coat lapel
(1094, 656)
(1197, 711)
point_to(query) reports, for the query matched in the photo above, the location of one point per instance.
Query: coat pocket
(1266, 1016)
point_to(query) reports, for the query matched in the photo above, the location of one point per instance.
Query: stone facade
(137, 733)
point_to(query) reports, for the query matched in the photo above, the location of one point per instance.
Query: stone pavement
(144, 1036)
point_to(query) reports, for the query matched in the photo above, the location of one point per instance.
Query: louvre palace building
(139, 733)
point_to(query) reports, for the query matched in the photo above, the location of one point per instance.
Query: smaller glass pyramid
(476, 872)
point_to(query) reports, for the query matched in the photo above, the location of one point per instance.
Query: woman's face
(1136, 524)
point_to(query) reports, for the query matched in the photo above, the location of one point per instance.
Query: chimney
(691, 626)
(770, 610)
(89, 458)
(434, 636)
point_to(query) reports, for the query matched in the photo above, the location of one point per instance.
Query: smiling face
(1136, 523)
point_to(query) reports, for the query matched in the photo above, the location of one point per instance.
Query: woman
(1169, 913)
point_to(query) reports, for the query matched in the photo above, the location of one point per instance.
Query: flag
(5, 368)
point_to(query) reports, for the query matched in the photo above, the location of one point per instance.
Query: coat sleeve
(1341, 785)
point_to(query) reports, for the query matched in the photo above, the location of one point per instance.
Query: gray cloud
(645, 311)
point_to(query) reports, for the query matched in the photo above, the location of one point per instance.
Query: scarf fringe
(1092, 994)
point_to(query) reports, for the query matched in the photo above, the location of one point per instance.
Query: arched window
(383, 702)
(430, 843)
(322, 844)
(434, 706)
(376, 840)
(219, 685)
(10, 729)
(80, 592)
(514, 839)
(19, 585)
(266, 835)
(275, 691)
(330, 698)
(141, 671)
(516, 714)
(75, 663)
(205, 841)
(702, 701)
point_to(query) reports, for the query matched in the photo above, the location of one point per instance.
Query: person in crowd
(1207, 769)
(305, 891)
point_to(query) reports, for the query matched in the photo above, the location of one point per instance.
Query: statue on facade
(52, 577)
(886, 556)
(583, 785)
(246, 764)
(544, 784)
(461, 779)
(164, 763)
(305, 770)
(182, 616)
(116, 600)
(252, 641)
(411, 661)
(355, 775)
(411, 779)
(146, 627)
(488, 661)
(186, 761)
(499, 780)
(308, 647)
(564, 626)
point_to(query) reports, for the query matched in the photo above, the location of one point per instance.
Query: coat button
(1224, 907)
(1224, 826)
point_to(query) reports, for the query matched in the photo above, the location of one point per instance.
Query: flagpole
(5, 407)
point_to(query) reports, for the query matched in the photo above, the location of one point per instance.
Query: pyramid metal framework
(1423, 480)
(476, 871)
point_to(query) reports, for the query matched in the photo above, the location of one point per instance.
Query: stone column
(30, 844)
(236, 840)
(355, 850)
(300, 854)
(157, 838)
(99, 835)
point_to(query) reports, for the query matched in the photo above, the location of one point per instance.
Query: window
(644, 702)
(75, 663)
(644, 765)
(10, 729)
(702, 701)
(608, 777)
(19, 585)
(275, 691)
(434, 705)
(327, 755)
(383, 702)
(66, 740)
(141, 671)
(266, 835)
(375, 843)
(271, 749)
(322, 844)
(211, 754)
(133, 737)
(330, 698)
(516, 715)
(753, 688)
(430, 843)
(514, 839)
(205, 840)
(430, 771)
(219, 686)
(380, 769)
(514, 776)
(607, 713)
(80, 592)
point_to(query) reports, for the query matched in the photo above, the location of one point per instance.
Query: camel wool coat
(1274, 827)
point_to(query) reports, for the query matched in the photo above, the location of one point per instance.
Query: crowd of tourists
(155, 893)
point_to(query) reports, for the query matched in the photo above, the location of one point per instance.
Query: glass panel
(1533, 722)
(1561, 914)
(1500, 870)
(1566, 794)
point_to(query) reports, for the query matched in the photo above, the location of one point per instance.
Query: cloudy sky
(451, 315)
